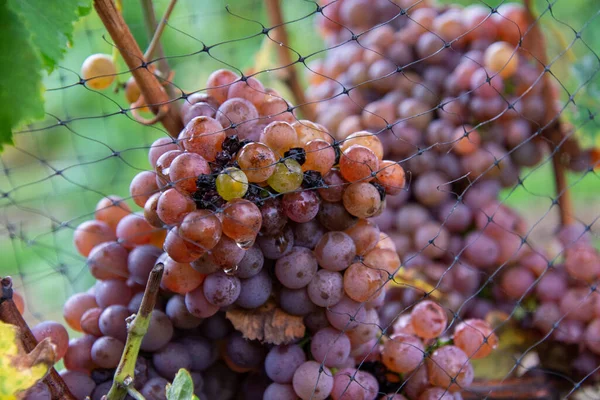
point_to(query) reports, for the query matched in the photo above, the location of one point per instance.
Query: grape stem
(151, 27)
(10, 314)
(148, 83)
(136, 329)
(290, 78)
(155, 42)
(535, 43)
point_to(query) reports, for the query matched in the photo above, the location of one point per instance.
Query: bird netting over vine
(352, 199)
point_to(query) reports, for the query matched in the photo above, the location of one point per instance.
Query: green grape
(232, 183)
(287, 176)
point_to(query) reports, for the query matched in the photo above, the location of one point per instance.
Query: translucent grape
(362, 200)
(501, 57)
(242, 220)
(279, 136)
(273, 217)
(180, 278)
(227, 254)
(326, 288)
(160, 332)
(250, 89)
(278, 391)
(308, 234)
(232, 183)
(365, 235)
(236, 111)
(221, 289)
(90, 321)
(255, 291)
(111, 210)
(80, 384)
(151, 211)
(475, 337)
(185, 169)
(133, 230)
(76, 306)
(403, 353)
(358, 163)
(428, 319)
(99, 71)
(295, 301)
(162, 167)
(330, 347)
(176, 247)
(362, 282)
(335, 251)
(169, 359)
(201, 230)
(140, 262)
(320, 156)
(312, 382)
(89, 234)
(113, 323)
(56, 332)
(179, 315)
(301, 206)
(78, 356)
(335, 217)
(287, 177)
(108, 261)
(449, 368)
(142, 186)
(308, 131)
(282, 361)
(106, 352)
(391, 176)
(334, 186)
(173, 206)
(112, 291)
(218, 83)
(257, 161)
(297, 268)
(203, 136)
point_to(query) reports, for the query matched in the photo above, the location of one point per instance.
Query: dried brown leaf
(267, 323)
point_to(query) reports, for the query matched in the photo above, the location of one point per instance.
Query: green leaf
(20, 77)
(182, 387)
(51, 25)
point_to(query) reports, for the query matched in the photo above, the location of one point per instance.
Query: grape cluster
(248, 217)
(454, 95)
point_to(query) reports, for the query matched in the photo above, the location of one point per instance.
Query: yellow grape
(99, 71)
(232, 183)
(501, 57)
(287, 176)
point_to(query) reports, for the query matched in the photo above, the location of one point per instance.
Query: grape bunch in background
(260, 216)
(453, 96)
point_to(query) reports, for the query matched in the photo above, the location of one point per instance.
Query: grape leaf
(18, 370)
(182, 387)
(20, 76)
(51, 27)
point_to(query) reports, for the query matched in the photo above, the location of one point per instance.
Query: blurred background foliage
(56, 172)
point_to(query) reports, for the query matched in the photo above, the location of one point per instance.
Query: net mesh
(496, 221)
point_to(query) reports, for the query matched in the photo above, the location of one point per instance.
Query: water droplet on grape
(231, 270)
(245, 245)
(281, 242)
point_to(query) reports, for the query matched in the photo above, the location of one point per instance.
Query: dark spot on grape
(312, 179)
(296, 153)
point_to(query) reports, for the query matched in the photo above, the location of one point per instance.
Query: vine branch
(291, 77)
(148, 83)
(10, 314)
(535, 43)
(136, 329)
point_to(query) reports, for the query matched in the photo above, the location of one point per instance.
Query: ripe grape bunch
(455, 95)
(257, 221)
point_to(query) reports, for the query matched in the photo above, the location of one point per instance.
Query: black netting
(377, 198)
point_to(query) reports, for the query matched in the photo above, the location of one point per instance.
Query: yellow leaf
(20, 370)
